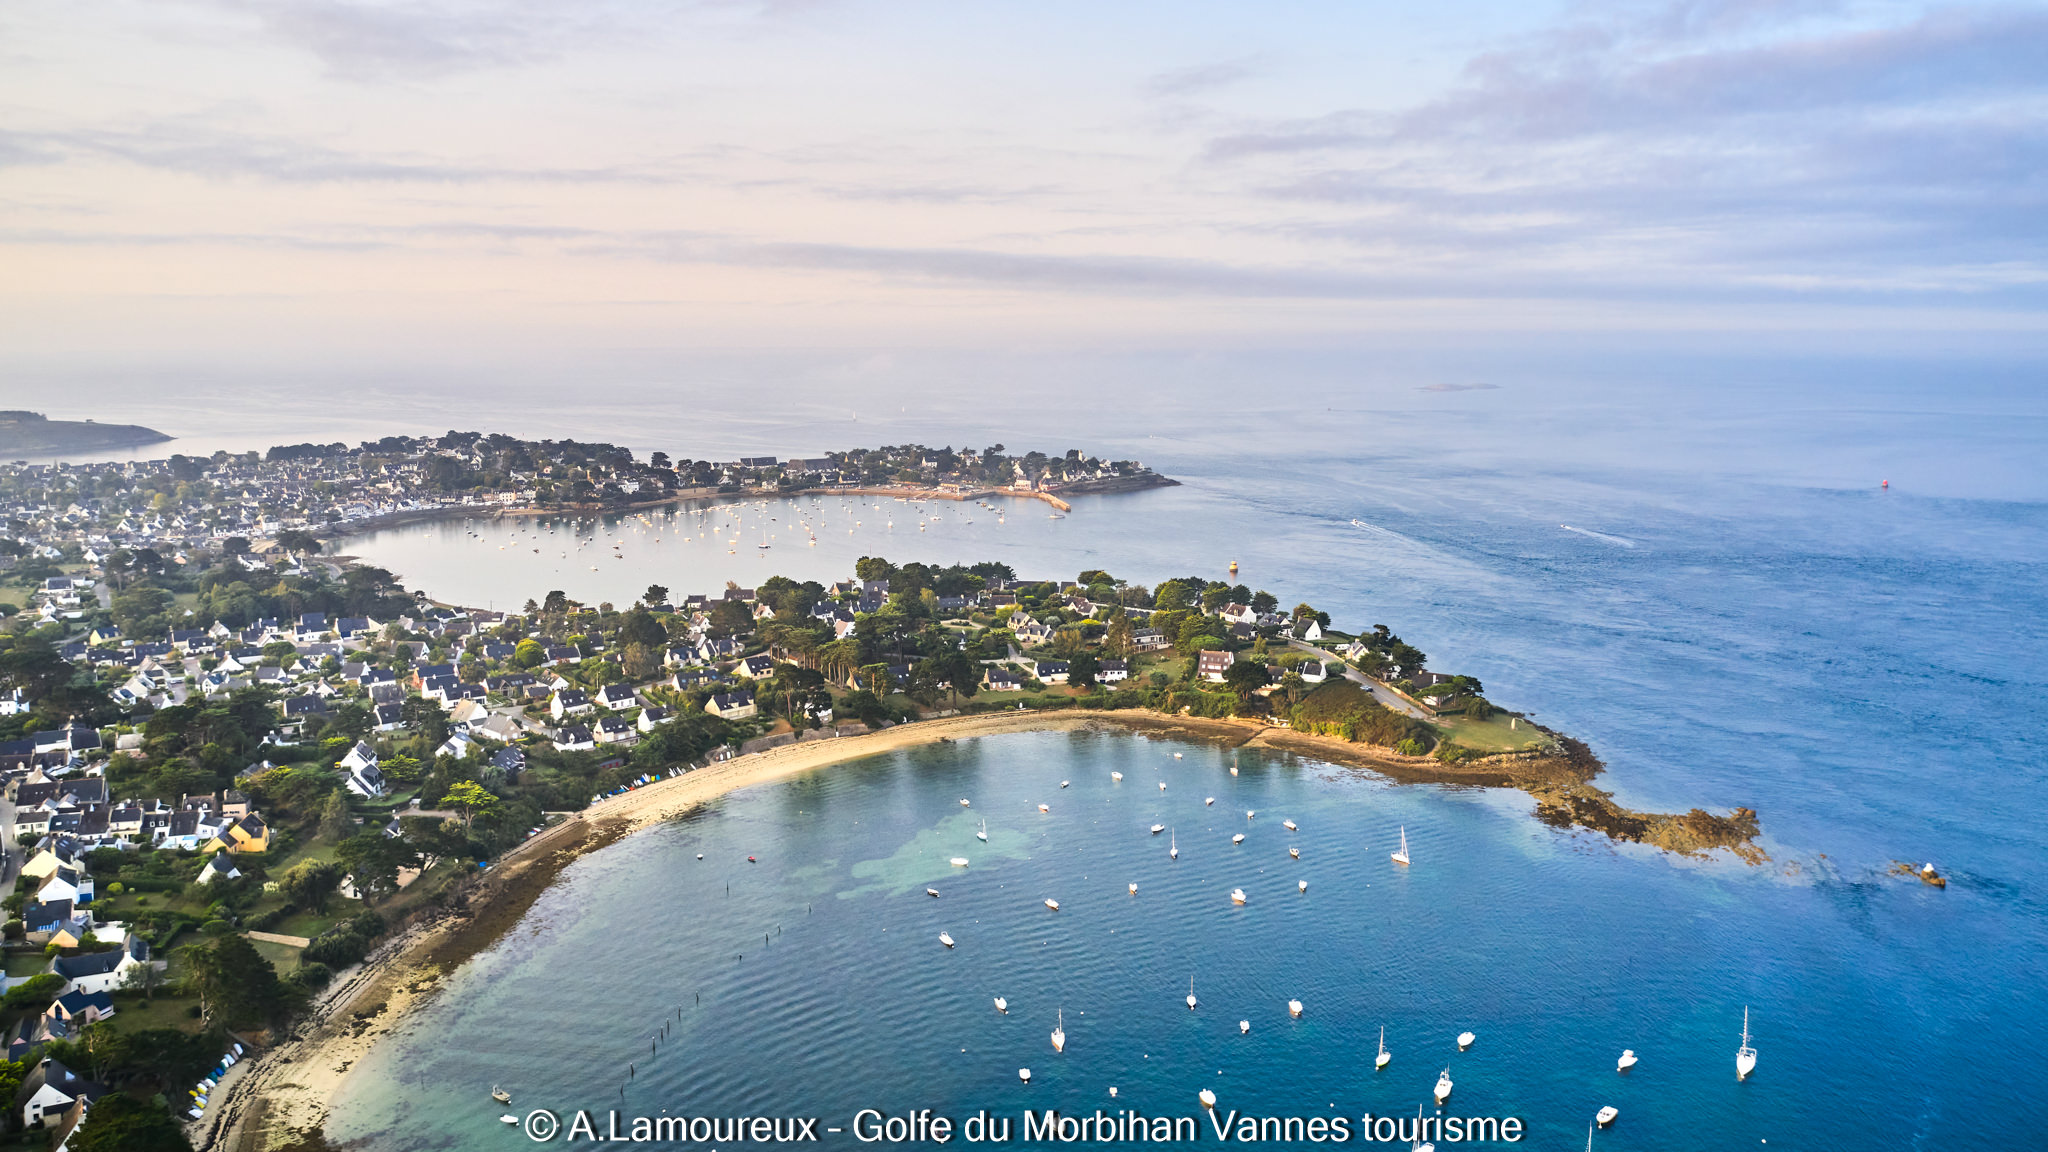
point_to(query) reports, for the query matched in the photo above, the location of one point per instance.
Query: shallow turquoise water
(813, 983)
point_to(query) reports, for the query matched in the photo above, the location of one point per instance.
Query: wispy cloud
(1198, 78)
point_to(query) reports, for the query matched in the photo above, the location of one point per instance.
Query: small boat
(1045, 807)
(1294, 853)
(964, 804)
(1248, 814)
(1207, 1098)
(1059, 1033)
(1380, 1061)
(1288, 824)
(1024, 1074)
(1401, 857)
(1052, 903)
(959, 861)
(1606, 1115)
(1233, 769)
(1301, 885)
(1243, 1026)
(1237, 839)
(1064, 783)
(500, 1095)
(1745, 1056)
(1172, 848)
(1191, 993)
(1162, 785)
(1134, 888)
(983, 834)
(1465, 1040)
(508, 1118)
(946, 939)
(1210, 801)
(1237, 895)
(1443, 1086)
(1627, 1061)
(1158, 828)
(1176, 755)
(1002, 1006)
(1294, 1008)
(1116, 775)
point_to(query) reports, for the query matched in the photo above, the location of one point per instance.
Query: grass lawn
(309, 924)
(134, 1014)
(19, 964)
(282, 957)
(1492, 735)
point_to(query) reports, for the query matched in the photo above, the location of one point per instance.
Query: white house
(618, 697)
(102, 971)
(362, 774)
(50, 1091)
(218, 868)
(1211, 664)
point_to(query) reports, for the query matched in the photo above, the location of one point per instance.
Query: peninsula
(34, 434)
(286, 772)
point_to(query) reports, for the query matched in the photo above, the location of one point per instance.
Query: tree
(310, 884)
(655, 594)
(529, 653)
(1082, 670)
(1173, 596)
(236, 985)
(293, 540)
(336, 824)
(117, 1122)
(640, 627)
(1246, 677)
(471, 799)
(374, 860)
(872, 568)
(1263, 601)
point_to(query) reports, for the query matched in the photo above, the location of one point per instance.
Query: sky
(240, 183)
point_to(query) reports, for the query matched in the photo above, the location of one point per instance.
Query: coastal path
(1380, 692)
(279, 938)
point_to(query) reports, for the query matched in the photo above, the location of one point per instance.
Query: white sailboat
(1301, 885)
(1745, 1056)
(983, 834)
(1059, 1033)
(1172, 847)
(1380, 1061)
(1418, 1144)
(1401, 857)
(1443, 1087)
(1191, 993)
(1243, 1027)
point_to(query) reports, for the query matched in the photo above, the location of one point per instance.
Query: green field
(1492, 735)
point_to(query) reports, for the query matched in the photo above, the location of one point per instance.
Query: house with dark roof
(101, 971)
(736, 705)
(49, 1091)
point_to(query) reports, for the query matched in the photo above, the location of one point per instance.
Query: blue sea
(1692, 566)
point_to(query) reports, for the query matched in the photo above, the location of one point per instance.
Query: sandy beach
(281, 1105)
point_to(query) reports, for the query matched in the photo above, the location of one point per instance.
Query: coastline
(283, 1103)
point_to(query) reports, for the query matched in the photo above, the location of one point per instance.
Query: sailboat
(1418, 1144)
(1380, 1061)
(1745, 1056)
(1002, 1006)
(1443, 1087)
(1059, 1033)
(1172, 847)
(1191, 993)
(1401, 857)
(983, 834)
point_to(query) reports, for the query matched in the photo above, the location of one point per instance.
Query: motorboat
(1024, 1074)
(1134, 888)
(1002, 1006)
(1606, 1115)
(959, 861)
(1045, 807)
(1211, 800)
(1207, 1098)
(1465, 1040)
(1294, 1008)
(1116, 776)
(1052, 903)
(1288, 824)
(932, 892)
(946, 939)
(1301, 885)
(1158, 828)
(1294, 853)
(1443, 1087)
(1627, 1061)
(1237, 895)
(500, 1095)
(1237, 839)
(1243, 1026)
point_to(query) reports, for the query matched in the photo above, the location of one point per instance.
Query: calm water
(813, 982)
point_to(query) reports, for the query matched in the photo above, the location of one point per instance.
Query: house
(1113, 671)
(756, 667)
(1312, 671)
(362, 775)
(1001, 679)
(247, 834)
(737, 705)
(1310, 629)
(1149, 639)
(78, 1009)
(389, 717)
(1211, 665)
(100, 972)
(618, 697)
(1238, 614)
(1030, 633)
(42, 922)
(457, 745)
(72, 884)
(218, 868)
(574, 738)
(570, 702)
(613, 730)
(1051, 671)
(50, 1090)
(652, 717)
(50, 856)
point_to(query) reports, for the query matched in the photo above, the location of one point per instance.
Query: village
(217, 808)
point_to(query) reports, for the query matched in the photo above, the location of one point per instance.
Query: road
(1380, 692)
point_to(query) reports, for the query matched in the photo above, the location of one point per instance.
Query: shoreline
(283, 1103)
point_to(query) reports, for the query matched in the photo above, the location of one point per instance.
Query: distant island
(34, 434)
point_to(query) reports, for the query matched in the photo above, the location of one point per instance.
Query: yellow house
(249, 834)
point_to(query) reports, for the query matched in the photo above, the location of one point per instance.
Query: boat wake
(1599, 536)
